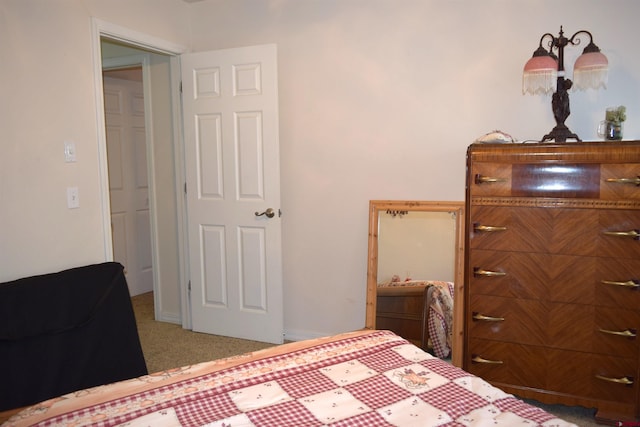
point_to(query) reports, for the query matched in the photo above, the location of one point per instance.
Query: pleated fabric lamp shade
(540, 75)
(591, 71)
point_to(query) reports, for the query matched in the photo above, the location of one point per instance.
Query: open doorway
(128, 175)
(141, 168)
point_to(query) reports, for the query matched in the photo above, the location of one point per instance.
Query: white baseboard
(300, 335)
(169, 318)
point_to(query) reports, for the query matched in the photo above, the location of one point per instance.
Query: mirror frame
(375, 207)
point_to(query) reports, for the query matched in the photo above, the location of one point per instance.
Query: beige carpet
(167, 346)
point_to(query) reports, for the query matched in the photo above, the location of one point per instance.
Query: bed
(361, 378)
(418, 310)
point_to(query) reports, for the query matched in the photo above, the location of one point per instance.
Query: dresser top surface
(586, 152)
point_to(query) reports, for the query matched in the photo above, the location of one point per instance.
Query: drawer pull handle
(631, 233)
(487, 273)
(634, 181)
(628, 284)
(628, 333)
(478, 316)
(481, 179)
(623, 380)
(488, 228)
(477, 359)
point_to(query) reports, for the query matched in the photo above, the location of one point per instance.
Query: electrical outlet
(73, 198)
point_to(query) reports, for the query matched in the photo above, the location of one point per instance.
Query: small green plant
(616, 115)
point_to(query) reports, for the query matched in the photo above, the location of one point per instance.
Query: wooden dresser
(552, 272)
(405, 311)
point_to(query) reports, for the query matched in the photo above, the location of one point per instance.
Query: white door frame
(115, 32)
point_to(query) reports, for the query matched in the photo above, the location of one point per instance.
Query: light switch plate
(73, 198)
(69, 151)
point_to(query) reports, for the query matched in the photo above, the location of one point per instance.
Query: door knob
(269, 213)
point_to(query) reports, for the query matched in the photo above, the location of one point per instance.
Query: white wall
(48, 97)
(378, 100)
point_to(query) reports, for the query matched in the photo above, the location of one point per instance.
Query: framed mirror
(416, 248)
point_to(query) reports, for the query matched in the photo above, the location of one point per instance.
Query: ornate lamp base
(560, 133)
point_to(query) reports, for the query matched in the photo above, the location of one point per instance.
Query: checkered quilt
(366, 378)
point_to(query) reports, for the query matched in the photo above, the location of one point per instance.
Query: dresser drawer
(545, 179)
(508, 274)
(568, 372)
(620, 181)
(490, 179)
(543, 230)
(593, 329)
(584, 232)
(619, 234)
(509, 320)
(607, 282)
(562, 278)
(577, 327)
(616, 283)
(592, 375)
(507, 363)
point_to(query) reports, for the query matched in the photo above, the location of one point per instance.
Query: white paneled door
(230, 107)
(128, 183)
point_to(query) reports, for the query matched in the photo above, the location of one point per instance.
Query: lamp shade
(540, 75)
(591, 71)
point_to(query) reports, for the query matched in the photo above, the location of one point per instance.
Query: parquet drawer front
(584, 232)
(620, 181)
(552, 268)
(561, 371)
(593, 329)
(506, 319)
(491, 179)
(570, 372)
(532, 275)
(616, 283)
(507, 363)
(579, 327)
(592, 376)
(618, 234)
(609, 282)
(512, 229)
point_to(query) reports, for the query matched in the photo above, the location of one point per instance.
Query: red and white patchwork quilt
(364, 378)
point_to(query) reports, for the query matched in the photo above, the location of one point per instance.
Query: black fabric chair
(66, 331)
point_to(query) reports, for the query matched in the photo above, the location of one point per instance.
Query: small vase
(611, 131)
(614, 131)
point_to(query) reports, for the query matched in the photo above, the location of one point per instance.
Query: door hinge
(185, 188)
(180, 86)
(189, 286)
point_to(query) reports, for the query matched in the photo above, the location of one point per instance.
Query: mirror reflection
(415, 270)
